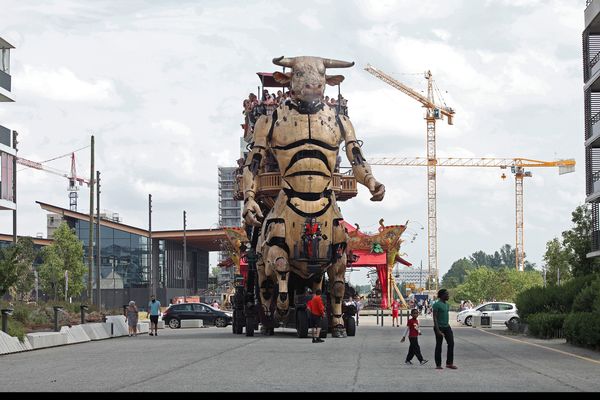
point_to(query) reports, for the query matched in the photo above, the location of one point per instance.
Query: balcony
(344, 186)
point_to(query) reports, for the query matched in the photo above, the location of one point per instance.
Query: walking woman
(132, 318)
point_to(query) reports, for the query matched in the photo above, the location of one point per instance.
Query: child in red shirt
(412, 328)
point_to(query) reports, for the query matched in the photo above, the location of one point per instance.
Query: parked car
(500, 311)
(210, 316)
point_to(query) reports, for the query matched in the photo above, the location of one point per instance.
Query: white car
(500, 312)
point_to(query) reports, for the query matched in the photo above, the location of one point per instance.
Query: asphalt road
(213, 359)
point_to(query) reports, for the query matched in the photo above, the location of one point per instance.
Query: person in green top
(441, 327)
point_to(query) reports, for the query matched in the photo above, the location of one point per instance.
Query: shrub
(586, 299)
(546, 325)
(21, 313)
(552, 299)
(16, 329)
(583, 329)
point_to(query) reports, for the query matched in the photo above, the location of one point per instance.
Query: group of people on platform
(254, 108)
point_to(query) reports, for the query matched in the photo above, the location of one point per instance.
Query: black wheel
(302, 323)
(324, 327)
(513, 320)
(469, 321)
(250, 326)
(174, 323)
(350, 326)
(220, 322)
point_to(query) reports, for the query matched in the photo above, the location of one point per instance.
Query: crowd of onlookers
(254, 108)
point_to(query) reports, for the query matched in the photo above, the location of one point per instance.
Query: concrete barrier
(11, 344)
(40, 340)
(119, 327)
(143, 327)
(192, 323)
(75, 334)
(96, 330)
(159, 325)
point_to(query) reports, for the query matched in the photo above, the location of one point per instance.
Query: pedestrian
(154, 311)
(395, 308)
(215, 305)
(414, 330)
(441, 327)
(359, 306)
(132, 318)
(316, 312)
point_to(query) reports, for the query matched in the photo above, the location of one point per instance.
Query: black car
(210, 316)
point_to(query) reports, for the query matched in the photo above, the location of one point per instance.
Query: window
(183, 307)
(200, 308)
(505, 307)
(488, 307)
(5, 60)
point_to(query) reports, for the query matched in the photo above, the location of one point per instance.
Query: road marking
(544, 347)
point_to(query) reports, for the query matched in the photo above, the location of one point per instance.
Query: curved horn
(284, 62)
(329, 63)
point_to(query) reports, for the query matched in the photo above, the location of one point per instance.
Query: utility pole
(14, 179)
(420, 274)
(98, 277)
(91, 232)
(152, 277)
(184, 260)
(544, 269)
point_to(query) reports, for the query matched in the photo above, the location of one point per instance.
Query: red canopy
(267, 80)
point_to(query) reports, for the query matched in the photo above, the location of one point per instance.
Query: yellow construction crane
(517, 166)
(432, 113)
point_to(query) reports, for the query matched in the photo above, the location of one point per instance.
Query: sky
(160, 85)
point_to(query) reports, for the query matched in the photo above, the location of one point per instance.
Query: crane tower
(432, 113)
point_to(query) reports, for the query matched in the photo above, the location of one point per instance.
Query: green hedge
(552, 299)
(546, 325)
(583, 329)
(587, 299)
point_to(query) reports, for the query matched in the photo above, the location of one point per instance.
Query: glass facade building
(124, 256)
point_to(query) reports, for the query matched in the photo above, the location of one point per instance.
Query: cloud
(310, 21)
(174, 127)
(62, 84)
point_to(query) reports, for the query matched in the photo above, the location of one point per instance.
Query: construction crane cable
(65, 155)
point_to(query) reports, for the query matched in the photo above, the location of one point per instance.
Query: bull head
(308, 77)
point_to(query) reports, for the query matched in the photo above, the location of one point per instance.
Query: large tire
(174, 323)
(350, 326)
(469, 321)
(324, 327)
(302, 323)
(250, 326)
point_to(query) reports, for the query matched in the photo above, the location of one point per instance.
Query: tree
(577, 242)
(64, 254)
(479, 259)
(16, 268)
(480, 285)
(457, 273)
(486, 284)
(508, 255)
(556, 259)
(215, 272)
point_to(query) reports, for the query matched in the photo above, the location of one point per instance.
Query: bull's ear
(282, 78)
(333, 80)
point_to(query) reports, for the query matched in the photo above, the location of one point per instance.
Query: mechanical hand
(252, 212)
(376, 188)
